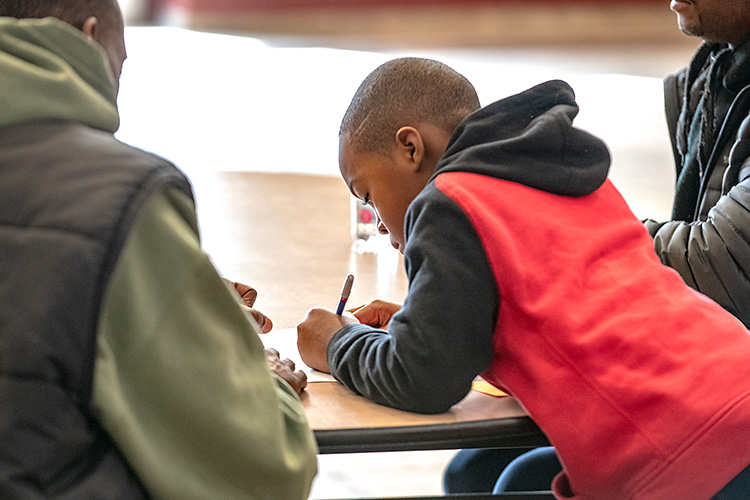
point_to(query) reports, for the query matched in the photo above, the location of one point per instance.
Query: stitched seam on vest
(132, 207)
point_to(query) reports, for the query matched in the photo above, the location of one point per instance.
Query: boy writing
(526, 266)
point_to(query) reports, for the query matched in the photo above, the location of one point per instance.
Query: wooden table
(344, 422)
(289, 237)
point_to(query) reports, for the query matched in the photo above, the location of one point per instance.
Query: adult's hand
(264, 322)
(248, 295)
(284, 368)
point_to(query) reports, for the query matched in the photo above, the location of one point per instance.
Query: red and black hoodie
(526, 266)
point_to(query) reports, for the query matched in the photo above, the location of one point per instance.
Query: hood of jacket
(49, 70)
(529, 138)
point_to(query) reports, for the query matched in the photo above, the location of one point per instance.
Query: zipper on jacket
(719, 146)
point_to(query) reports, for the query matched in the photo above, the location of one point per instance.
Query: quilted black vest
(68, 195)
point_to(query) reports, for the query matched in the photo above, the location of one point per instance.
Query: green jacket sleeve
(180, 379)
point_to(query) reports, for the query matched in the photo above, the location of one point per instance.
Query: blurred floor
(273, 103)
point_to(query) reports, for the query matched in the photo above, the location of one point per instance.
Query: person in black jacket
(708, 107)
(708, 239)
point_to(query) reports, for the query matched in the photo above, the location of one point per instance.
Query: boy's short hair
(405, 92)
(73, 12)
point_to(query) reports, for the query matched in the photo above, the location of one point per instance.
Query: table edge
(508, 432)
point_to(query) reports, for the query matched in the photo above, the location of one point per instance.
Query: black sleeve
(441, 339)
(714, 256)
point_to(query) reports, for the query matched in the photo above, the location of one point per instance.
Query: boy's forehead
(348, 155)
(346, 162)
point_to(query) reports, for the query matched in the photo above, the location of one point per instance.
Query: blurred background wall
(423, 22)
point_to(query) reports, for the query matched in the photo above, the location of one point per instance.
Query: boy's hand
(284, 368)
(376, 314)
(314, 334)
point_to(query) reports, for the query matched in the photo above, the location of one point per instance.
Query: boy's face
(387, 183)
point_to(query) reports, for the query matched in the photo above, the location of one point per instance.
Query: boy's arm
(442, 337)
(181, 382)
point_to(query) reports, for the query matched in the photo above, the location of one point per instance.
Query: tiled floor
(214, 102)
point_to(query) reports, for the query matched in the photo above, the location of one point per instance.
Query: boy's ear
(410, 146)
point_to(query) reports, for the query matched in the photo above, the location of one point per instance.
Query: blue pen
(345, 291)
